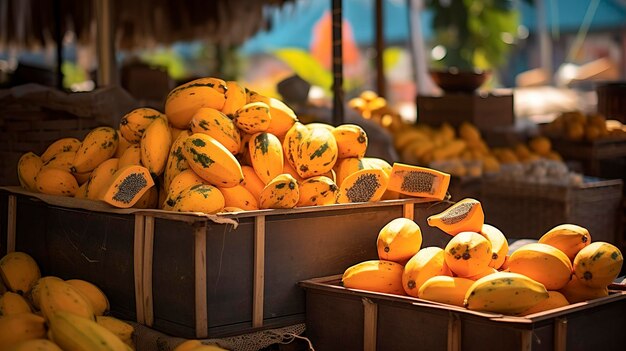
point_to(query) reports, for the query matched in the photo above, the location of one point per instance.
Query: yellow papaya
(122, 145)
(464, 216)
(214, 123)
(575, 291)
(292, 140)
(235, 96)
(100, 178)
(280, 192)
(445, 289)
(127, 186)
(251, 181)
(399, 240)
(28, 167)
(468, 254)
(351, 141)
(555, 300)
(183, 101)
(182, 181)
(346, 166)
(176, 161)
(62, 160)
(199, 198)
(543, 263)
(55, 181)
(239, 197)
(61, 145)
(598, 264)
(155, 144)
(425, 264)
(283, 118)
(418, 181)
(366, 185)
(375, 275)
(98, 146)
(266, 154)
(132, 156)
(134, 124)
(569, 238)
(317, 191)
(316, 154)
(212, 161)
(253, 117)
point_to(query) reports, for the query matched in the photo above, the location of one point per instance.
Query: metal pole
(381, 87)
(105, 36)
(338, 110)
(545, 48)
(422, 79)
(58, 38)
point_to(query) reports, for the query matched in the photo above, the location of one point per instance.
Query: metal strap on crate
(11, 223)
(259, 271)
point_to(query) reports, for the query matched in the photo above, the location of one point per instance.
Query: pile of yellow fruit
(577, 126)
(475, 271)
(218, 147)
(464, 152)
(52, 314)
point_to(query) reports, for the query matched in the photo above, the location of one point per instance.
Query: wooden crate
(528, 210)
(349, 319)
(196, 276)
(593, 154)
(484, 111)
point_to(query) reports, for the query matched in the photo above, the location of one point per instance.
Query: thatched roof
(138, 23)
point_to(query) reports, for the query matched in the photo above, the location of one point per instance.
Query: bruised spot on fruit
(585, 239)
(411, 284)
(614, 255)
(597, 256)
(386, 248)
(361, 139)
(280, 185)
(292, 185)
(587, 275)
(494, 256)
(466, 256)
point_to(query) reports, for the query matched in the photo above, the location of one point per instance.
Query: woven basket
(525, 210)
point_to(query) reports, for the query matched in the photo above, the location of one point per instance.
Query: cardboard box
(348, 319)
(196, 276)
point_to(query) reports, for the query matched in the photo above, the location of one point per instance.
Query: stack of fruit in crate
(48, 313)
(475, 271)
(577, 126)
(220, 147)
(464, 152)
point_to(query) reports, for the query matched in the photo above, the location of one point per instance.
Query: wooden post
(370, 323)
(259, 271)
(408, 211)
(202, 321)
(381, 87)
(337, 61)
(105, 43)
(58, 38)
(560, 334)
(138, 265)
(147, 271)
(11, 223)
(454, 332)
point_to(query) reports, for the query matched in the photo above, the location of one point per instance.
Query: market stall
(232, 220)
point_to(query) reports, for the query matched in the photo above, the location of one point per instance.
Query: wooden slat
(11, 223)
(202, 321)
(408, 211)
(259, 272)
(138, 266)
(526, 340)
(370, 321)
(560, 334)
(148, 251)
(454, 332)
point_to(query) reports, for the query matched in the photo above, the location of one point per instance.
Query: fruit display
(49, 313)
(578, 126)
(476, 271)
(219, 147)
(538, 172)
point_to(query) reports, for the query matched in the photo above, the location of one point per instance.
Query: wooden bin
(528, 210)
(348, 319)
(196, 276)
(599, 158)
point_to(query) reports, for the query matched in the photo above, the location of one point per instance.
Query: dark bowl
(454, 80)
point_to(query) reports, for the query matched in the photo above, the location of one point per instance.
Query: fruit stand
(224, 222)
